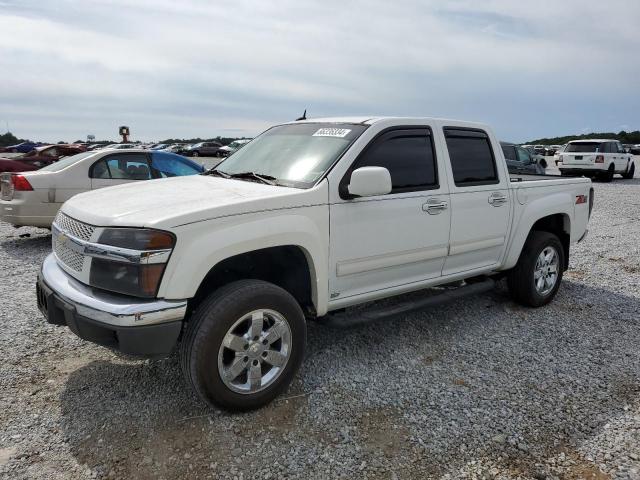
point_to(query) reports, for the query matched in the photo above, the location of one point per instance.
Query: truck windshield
(296, 155)
(584, 147)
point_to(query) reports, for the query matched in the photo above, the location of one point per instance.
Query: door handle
(434, 206)
(497, 199)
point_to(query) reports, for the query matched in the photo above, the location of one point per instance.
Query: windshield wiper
(268, 179)
(217, 173)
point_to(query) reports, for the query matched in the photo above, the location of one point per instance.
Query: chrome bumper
(106, 308)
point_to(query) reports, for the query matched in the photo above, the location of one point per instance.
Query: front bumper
(148, 328)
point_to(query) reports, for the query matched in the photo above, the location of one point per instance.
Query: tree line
(622, 137)
(9, 138)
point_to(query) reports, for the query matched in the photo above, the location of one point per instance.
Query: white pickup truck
(309, 218)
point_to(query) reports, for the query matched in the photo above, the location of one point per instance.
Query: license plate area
(578, 157)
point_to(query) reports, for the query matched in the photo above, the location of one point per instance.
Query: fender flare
(228, 239)
(557, 204)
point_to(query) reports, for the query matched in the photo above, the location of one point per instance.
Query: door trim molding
(465, 247)
(395, 259)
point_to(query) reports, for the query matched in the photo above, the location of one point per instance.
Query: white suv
(596, 158)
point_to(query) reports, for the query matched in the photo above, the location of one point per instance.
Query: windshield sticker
(332, 132)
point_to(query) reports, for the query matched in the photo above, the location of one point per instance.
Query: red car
(38, 158)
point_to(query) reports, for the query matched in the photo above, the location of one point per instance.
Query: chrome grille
(71, 259)
(73, 227)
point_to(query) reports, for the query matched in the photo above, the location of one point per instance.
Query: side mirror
(369, 181)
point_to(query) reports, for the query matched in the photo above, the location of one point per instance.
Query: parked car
(96, 146)
(34, 198)
(119, 146)
(232, 147)
(176, 147)
(203, 149)
(556, 156)
(539, 150)
(228, 267)
(632, 149)
(23, 147)
(520, 160)
(38, 158)
(596, 158)
(551, 150)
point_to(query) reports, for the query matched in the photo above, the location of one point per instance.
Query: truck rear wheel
(243, 345)
(535, 279)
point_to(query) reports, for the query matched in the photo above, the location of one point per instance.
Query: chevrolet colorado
(307, 219)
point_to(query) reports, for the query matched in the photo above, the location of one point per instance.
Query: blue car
(24, 147)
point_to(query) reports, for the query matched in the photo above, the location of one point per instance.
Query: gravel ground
(478, 389)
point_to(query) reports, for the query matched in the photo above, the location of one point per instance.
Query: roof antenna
(303, 117)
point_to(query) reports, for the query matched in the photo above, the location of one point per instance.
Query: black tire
(629, 173)
(210, 323)
(608, 175)
(520, 278)
(195, 154)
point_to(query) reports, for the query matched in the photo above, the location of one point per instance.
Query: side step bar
(346, 319)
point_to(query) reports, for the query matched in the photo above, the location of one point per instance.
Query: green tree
(9, 139)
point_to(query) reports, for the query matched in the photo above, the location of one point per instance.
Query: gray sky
(200, 69)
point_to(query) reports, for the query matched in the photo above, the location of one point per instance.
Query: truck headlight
(130, 261)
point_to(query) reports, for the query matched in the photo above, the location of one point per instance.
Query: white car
(309, 218)
(232, 147)
(556, 156)
(34, 198)
(601, 158)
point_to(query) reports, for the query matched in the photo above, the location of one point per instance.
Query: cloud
(198, 68)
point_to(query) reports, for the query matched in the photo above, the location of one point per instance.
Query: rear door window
(471, 155)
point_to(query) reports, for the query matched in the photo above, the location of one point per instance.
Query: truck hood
(171, 202)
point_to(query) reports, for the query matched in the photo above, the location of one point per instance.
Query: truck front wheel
(243, 345)
(535, 279)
